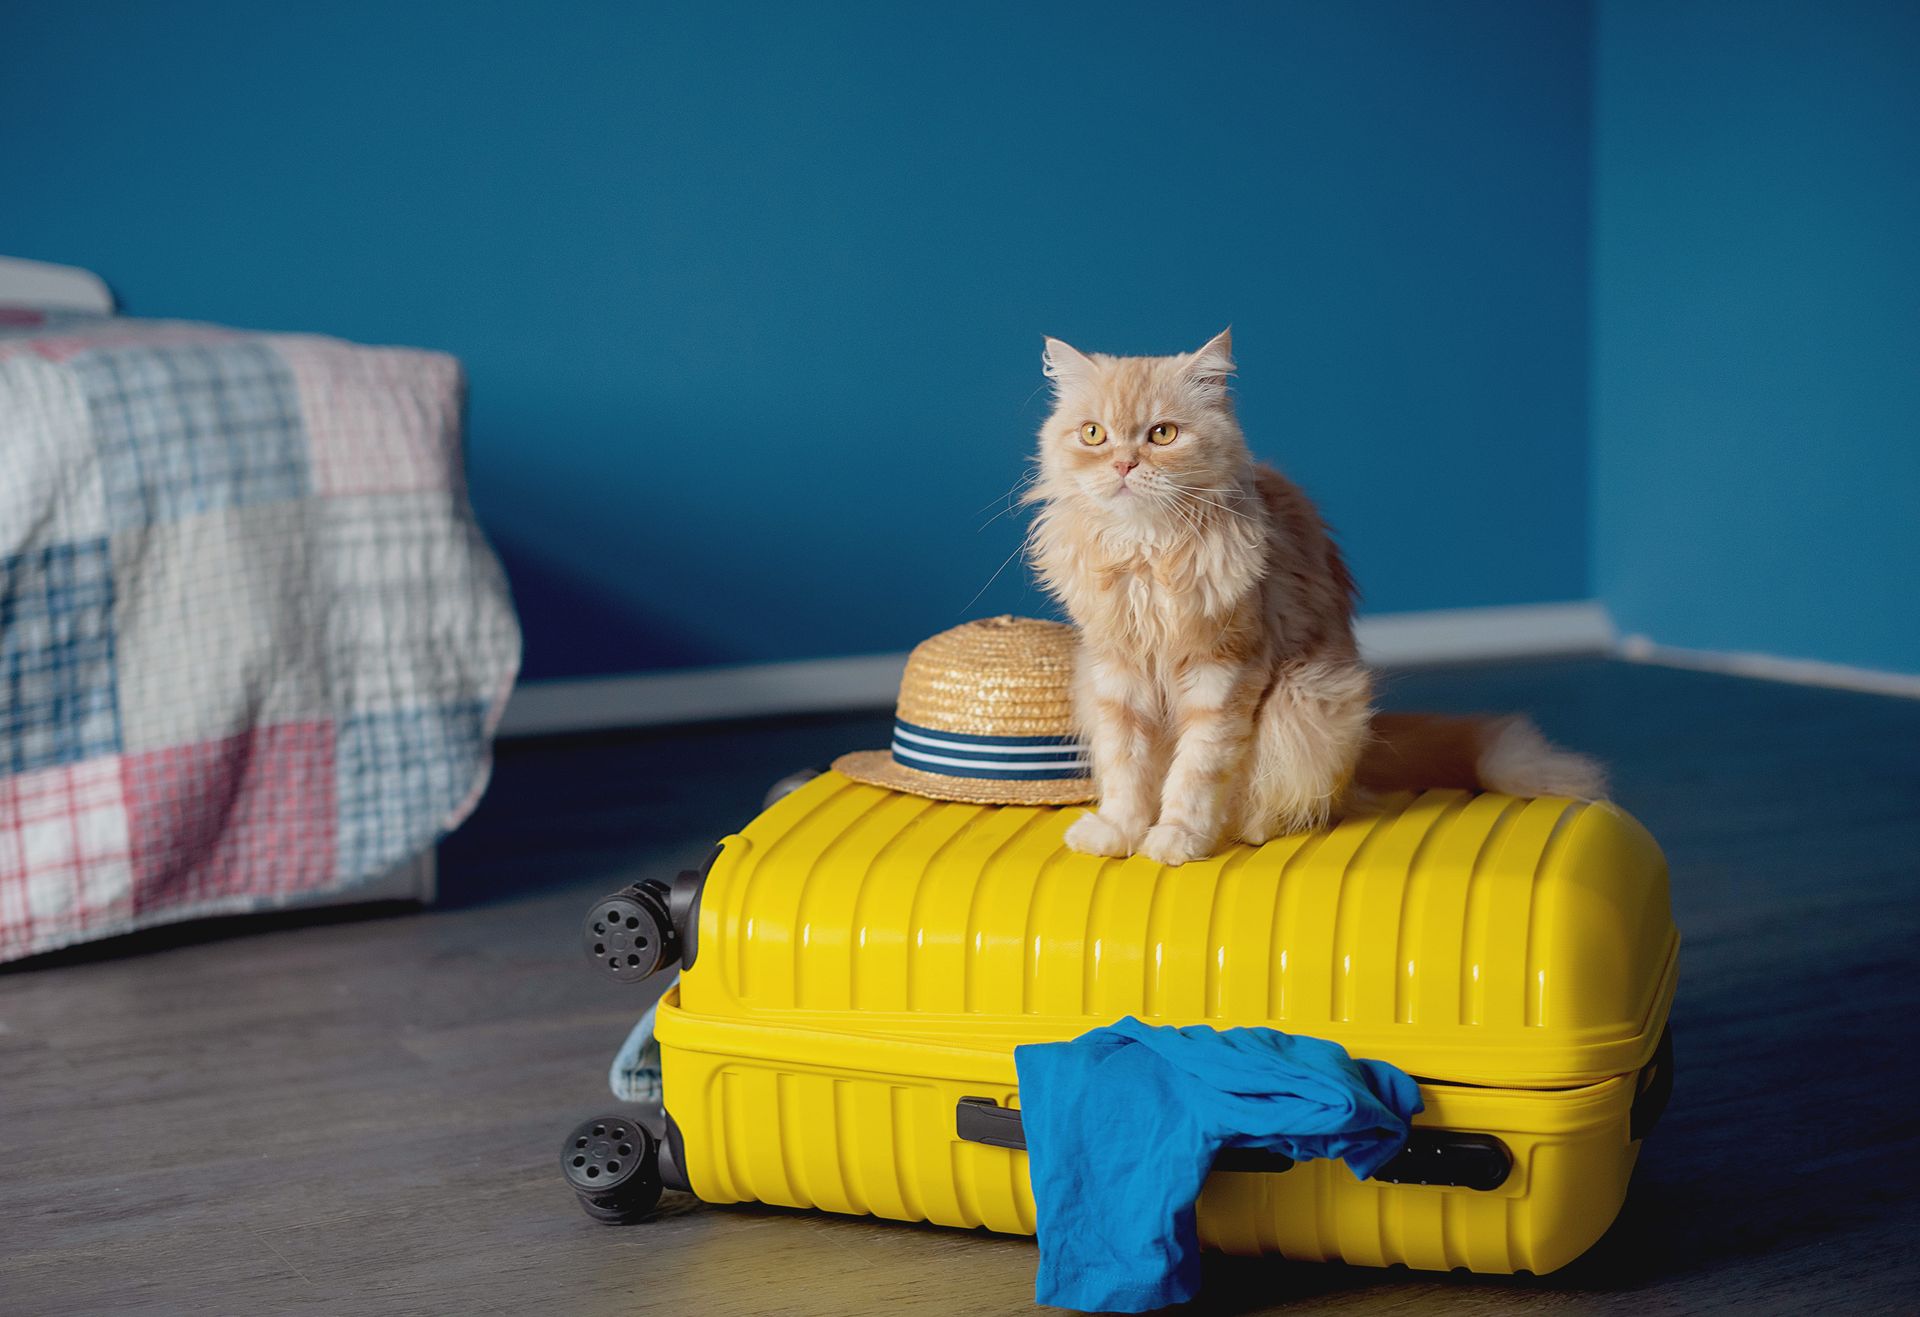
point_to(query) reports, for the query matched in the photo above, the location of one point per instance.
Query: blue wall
(1756, 387)
(751, 296)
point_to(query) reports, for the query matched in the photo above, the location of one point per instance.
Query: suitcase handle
(1438, 1157)
(982, 1120)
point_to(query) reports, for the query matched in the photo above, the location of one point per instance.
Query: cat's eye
(1093, 434)
(1163, 434)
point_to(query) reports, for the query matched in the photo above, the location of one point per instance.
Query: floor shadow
(599, 807)
(221, 928)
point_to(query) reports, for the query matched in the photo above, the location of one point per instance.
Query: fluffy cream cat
(1219, 686)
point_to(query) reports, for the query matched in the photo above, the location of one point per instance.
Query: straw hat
(985, 716)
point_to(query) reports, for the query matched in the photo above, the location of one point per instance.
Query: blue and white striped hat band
(1008, 758)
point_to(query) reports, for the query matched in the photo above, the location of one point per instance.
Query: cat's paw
(1169, 843)
(1095, 834)
(1259, 834)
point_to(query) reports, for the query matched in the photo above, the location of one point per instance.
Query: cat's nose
(1124, 465)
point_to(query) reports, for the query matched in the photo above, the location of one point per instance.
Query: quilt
(253, 643)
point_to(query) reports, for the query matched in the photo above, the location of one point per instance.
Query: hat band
(1009, 758)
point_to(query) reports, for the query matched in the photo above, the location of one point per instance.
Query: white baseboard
(870, 681)
(1456, 635)
(1768, 667)
(647, 699)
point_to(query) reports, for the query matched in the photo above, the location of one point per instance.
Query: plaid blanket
(252, 644)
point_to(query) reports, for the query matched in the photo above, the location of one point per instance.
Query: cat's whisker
(1179, 510)
(1200, 498)
(1013, 499)
(1011, 507)
(1236, 495)
(1184, 494)
(1018, 549)
(1026, 478)
(1005, 502)
(1191, 518)
(1234, 491)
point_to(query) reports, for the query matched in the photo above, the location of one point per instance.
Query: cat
(1219, 686)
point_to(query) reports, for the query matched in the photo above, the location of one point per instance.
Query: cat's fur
(1219, 685)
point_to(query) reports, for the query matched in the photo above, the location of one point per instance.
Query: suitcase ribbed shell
(868, 960)
(1477, 939)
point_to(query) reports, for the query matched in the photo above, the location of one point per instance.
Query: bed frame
(52, 287)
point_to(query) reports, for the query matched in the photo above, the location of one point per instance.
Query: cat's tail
(1416, 751)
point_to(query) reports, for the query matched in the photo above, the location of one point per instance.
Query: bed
(253, 645)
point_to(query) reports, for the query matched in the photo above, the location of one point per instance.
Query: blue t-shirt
(1123, 1123)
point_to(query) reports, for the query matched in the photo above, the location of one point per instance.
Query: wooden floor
(363, 1114)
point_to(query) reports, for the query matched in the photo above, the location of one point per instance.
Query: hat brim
(878, 768)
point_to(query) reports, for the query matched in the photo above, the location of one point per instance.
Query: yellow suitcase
(860, 965)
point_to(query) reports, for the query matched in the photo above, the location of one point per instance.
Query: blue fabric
(189, 428)
(59, 701)
(1123, 1124)
(635, 1075)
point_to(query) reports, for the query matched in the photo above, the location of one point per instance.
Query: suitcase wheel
(629, 934)
(612, 1163)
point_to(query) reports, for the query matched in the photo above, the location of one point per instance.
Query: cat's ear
(1063, 363)
(1212, 366)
